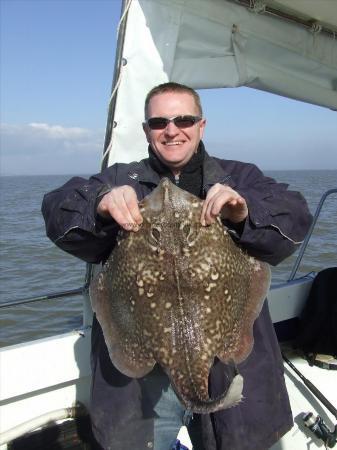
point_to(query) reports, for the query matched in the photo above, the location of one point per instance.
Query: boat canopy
(286, 47)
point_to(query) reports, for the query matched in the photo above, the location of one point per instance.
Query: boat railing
(83, 290)
(309, 233)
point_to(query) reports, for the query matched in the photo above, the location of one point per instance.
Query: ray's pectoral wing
(249, 288)
(118, 316)
(258, 287)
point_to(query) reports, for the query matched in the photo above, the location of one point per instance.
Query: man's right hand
(122, 205)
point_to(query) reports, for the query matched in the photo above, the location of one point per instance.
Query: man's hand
(122, 205)
(222, 199)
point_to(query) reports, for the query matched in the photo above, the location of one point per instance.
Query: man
(83, 218)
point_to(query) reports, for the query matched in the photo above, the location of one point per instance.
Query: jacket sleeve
(278, 218)
(70, 217)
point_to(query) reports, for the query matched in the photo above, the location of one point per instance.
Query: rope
(107, 151)
(123, 15)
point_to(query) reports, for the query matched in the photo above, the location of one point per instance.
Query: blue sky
(57, 59)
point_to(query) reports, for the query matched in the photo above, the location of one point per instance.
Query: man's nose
(171, 129)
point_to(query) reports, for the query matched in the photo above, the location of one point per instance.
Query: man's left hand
(222, 199)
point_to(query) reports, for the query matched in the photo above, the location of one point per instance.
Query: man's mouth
(173, 143)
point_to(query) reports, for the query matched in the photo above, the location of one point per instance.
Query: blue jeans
(170, 418)
(170, 414)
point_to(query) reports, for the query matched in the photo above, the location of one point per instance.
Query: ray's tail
(231, 397)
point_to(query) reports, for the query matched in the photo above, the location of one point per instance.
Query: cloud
(41, 137)
(45, 148)
(58, 132)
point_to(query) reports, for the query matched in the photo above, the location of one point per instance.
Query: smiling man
(83, 217)
(174, 127)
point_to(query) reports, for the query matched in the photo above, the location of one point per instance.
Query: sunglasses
(160, 123)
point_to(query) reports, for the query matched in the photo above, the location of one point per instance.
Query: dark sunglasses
(160, 123)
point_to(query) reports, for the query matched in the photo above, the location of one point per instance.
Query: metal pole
(40, 298)
(318, 394)
(308, 236)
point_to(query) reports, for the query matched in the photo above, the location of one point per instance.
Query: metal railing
(309, 233)
(54, 295)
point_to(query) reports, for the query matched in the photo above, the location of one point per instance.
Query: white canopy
(221, 43)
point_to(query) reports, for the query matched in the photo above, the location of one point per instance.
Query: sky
(57, 60)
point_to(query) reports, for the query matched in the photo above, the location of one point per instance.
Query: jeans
(171, 415)
(170, 418)
(162, 404)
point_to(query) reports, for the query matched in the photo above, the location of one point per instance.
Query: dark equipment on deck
(316, 424)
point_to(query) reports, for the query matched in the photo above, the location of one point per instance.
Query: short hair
(171, 86)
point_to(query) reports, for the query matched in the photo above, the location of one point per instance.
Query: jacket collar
(215, 173)
(212, 170)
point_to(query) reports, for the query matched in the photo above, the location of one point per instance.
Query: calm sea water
(31, 265)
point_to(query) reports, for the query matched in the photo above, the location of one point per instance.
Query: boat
(286, 47)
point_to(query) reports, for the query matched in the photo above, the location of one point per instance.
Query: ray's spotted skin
(179, 294)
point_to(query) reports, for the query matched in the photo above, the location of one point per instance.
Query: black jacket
(121, 410)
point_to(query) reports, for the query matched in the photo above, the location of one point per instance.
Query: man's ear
(202, 127)
(146, 131)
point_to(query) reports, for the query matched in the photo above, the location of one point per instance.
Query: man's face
(174, 146)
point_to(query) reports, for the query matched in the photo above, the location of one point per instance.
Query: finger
(236, 200)
(223, 203)
(206, 218)
(114, 204)
(218, 203)
(121, 214)
(223, 199)
(210, 194)
(203, 212)
(210, 213)
(236, 210)
(131, 201)
(238, 203)
(242, 202)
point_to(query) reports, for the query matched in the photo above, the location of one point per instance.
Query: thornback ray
(179, 294)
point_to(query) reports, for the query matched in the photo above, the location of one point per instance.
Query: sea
(31, 265)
